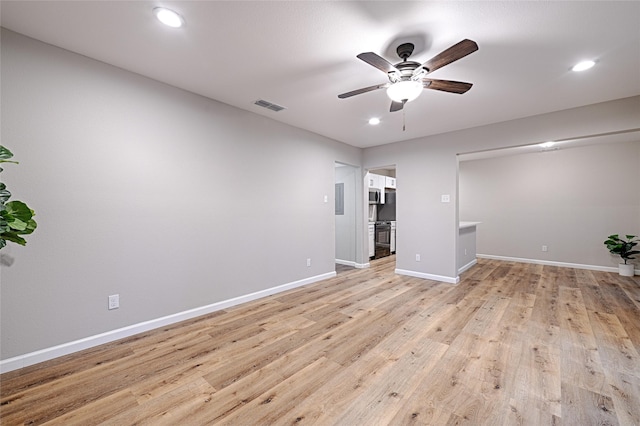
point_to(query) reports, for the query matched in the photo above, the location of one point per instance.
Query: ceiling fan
(407, 78)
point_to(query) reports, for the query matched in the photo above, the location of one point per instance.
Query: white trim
(467, 266)
(46, 354)
(442, 278)
(553, 263)
(352, 264)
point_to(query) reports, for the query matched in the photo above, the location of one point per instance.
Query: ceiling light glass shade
(406, 90)
(374, 121)
(168, 17)
(583, 66)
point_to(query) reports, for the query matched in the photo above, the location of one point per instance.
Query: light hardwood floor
(511, 344)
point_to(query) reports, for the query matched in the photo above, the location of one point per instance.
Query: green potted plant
(623, 248)
(16, 218)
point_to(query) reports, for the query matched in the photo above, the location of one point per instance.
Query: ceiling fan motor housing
(405, 71)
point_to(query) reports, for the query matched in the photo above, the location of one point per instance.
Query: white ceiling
(302, 54)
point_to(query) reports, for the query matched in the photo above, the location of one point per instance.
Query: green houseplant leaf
(5, 154)
(17, 214)
(4, 193)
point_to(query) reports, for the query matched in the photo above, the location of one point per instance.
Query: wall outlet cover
(114, 301)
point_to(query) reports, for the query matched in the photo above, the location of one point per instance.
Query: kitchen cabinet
(372, 242)
(393, 237)
(389, 182)
(375, 181)
(380, 182)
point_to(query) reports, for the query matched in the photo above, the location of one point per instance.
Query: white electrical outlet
(308, 262)
(417, 258)
(114, 301)
(545, 248)
(445, 198)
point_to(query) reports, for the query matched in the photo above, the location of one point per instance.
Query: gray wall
(171, 200)
(428, 168)
(467, 246)
(569, 200)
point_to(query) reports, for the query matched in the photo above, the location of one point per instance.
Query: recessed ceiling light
(583, 66)
(374, 121)
(168, 17)
(547, 144)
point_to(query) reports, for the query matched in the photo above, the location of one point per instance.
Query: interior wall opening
(381, 186)
(345, 215)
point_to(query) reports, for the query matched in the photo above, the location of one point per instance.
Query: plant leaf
(31, 226)
(17, 224)
(4, 194)
(13, 237)
(19, 210)
(5, 154)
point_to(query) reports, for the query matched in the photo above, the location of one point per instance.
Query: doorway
(382, 220)
(345, 216)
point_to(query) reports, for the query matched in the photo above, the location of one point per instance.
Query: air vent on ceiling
(269, 105)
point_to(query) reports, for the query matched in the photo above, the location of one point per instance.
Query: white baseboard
(442, 278)
(46, 354)
(467, 266)
(554, 263)
(352, 264)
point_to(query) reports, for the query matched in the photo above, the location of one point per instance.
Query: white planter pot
(626, 270)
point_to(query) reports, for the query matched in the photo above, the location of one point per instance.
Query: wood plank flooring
(511, 344)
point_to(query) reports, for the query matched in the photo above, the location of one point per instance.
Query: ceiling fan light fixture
(406, 90)
(168, 17)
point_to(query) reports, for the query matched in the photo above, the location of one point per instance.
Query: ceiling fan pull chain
(403, 116)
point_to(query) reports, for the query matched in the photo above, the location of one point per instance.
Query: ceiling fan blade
(446, 85)
(363, 90)
(452, 54)
(396, 106)
(377, 61)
